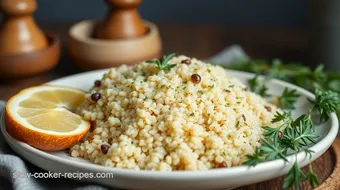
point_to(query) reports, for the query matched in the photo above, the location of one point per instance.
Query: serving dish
(223, 178)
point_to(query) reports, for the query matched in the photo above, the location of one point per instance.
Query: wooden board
(327, 167)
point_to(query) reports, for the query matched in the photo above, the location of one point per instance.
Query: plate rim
(183, 175)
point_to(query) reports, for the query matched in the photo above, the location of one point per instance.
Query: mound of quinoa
(145, 118)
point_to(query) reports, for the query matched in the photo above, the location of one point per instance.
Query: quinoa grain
(155, 120)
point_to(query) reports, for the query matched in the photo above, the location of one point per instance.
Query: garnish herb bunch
(292, 135)
(292, 72)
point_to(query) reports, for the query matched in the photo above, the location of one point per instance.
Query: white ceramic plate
(223, 178)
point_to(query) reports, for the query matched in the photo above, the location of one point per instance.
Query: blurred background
(295, 30)
(306, 31)
(267, 13)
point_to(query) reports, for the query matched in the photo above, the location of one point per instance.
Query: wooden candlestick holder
(121, 38)
(122, 21)
(24, 49)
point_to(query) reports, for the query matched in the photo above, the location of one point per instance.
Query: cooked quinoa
(153, 119)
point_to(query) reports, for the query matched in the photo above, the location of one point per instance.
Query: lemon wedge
(43, 117)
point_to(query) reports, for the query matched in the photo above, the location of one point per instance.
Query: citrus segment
(36, 103)
(41, 116)
(31, 112)
(59, 121)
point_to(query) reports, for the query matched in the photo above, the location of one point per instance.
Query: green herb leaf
(162, 64)
(237, 124)
(254, 83)
(272, 150)
(294, 177)
(309, 152)
(275, 70)
(288, 99)
(296, 73)
(319, 76)
(271, 132)
(257, 87)
(263, 91)
(285, 116)
(312, 178)
(304, 127)
(325, 103)
(299, 133)
(253, 160)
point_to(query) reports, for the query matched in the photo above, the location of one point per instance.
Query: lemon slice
(43, 117)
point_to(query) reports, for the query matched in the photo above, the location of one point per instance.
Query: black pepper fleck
(186, 61)
(97, 83)
(104, 148)
(96, 96)
(195, 78)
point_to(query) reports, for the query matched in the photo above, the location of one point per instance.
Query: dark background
(264, 13)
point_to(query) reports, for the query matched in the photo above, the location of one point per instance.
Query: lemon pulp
(50, 109)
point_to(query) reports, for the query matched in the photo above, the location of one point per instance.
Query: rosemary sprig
(285, 116)
(293, 135)
(294, 177)
(312, 178)
(256, 158)
(325, 103)
(256, 86)
(292, 72)
(162, 64)
(288, 99)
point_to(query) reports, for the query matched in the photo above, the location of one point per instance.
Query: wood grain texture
(88, 53)
(196, 40)
(24, 65)
(122, 21)
(19, 32)
(333, 182)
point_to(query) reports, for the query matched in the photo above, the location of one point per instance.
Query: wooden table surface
(197, 40)
(201, 41)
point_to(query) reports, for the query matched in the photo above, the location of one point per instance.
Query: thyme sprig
(292, 72)
(325, 103)
(257, 86)
(288, 99)
(293, 135)
(162, 64)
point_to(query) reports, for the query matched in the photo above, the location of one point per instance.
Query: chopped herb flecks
(237, 124)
